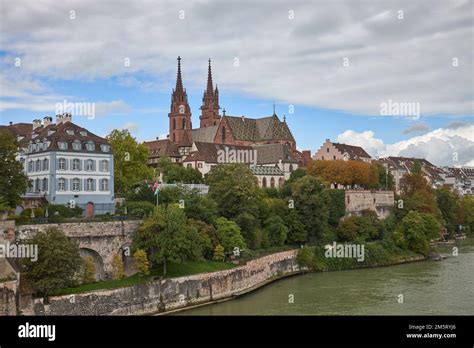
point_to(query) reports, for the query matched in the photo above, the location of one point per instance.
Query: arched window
(38, 185)
(45, 164)
(61, 184)
(280, 182)
(104, 185)
(183, 123)
(272, 182)
(76, 184)
(45, 184)
(223, 134)
(174, 123)
(75, 164)
(264, 182)
(62, 164)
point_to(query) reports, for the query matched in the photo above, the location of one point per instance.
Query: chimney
(36, 123)
(47, 121)
(243, 118)
(67, 117)
(328, 140)
(11, 123)
(59, 119)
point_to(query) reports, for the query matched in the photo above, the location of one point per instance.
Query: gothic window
(183, 124)
(334, 157)
(264, 182)
(280, 182)
(272, 182)
(223, 134)
(174, 138)
(174, 123)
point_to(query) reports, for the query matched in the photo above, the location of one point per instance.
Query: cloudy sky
(329, 66)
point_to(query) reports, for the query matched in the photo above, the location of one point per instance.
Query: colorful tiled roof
(251, 129)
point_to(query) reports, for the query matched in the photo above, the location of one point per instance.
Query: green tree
(337, 206)
(57, 265)
(449, 204)
(410, 233)
(88, 270)
(276, 230)
(118, 271)
(130, 160)
(432, 227)
(219, 253)
(386, 180)
(305, 257)
(207, 237)
(229, 234)
(141, 263)
(296, 228)
(199, 207)
(175, 173)
(311, 202)
(234, 188)
(13, 182)
(249, 225)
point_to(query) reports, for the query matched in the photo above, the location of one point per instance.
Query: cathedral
(198, 148)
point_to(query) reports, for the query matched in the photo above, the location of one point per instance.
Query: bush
(63, 211)
(305, 257)
(138, 209)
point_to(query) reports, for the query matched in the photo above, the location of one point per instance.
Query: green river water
(428, 288)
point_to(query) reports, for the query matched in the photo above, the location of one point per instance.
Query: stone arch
(98, 261)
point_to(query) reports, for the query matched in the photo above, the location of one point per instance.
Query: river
(427, 287)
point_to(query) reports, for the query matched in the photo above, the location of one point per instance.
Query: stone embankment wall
(173, 293)
(381, 202)
(8, 291)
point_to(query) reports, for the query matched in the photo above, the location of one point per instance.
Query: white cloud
(443, 146)
(296, 61)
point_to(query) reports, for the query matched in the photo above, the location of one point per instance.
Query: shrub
(63, 211)
(305, 257)
(139, 209)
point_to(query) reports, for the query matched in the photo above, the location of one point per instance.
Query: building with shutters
(65, 164)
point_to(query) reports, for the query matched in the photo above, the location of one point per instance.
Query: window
(223, 134)
(62, 164)
(90, 146)
(38, 185)
(76, 164)
(322, 158)
(90, 165)
(189, 165)
(76, 145)
(104, 185)
(76, 184)
(45, 164)
(291, 168)
(334, 157)
(83, 133)
(45, 184)
(104, 166)
(30, 186)
(90, 184)
(280, 182)
(199, 165)
(38, 166)
(183, 124)
(30, 166)
(61, 184)
(174, 123)
(264, 182)
(104, 148)
(327, 149)
(272, 182)
(62, 145)
(70, 132)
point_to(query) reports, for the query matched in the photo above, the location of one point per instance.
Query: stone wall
(174, 293)
(8, 298)
(379, 201)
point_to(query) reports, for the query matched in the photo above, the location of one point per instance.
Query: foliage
(88, 270)
(229, 234)
(415, 231)
(118, 271)
(285, 190)
(386, 180)
(175, 173)
(13, 181)
(311, 202)
(57, 264)
(276, 230)
(141, 192)
(64, 211)
(296, 228)
(200, 207)
(249, 225)
(337, 206)
(207, 237)
(234, 188)
(347, 173)
(141, 263)
(305, 257)
(137, 209)
(218, 253)
(449, 205)
(130, 160)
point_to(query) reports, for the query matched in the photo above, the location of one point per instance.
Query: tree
(347, 229)
(229, 234)
(141, 263)
(305, 257)
(207, 237)
(57, 265)
(311, 202)
(13, 182)
(249, 225)
(234, 188)
(88, 271)
(175, 173)
(449, 205)
(431, 227)
(118, 271)
(347, 173)
(130, 160)
(285, 190)
(386, 180)
(337, 206)
(199, 207)
(410, 233)
(276, 230)
(296, 229)
(219, 253)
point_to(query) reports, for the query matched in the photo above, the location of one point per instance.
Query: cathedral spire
(210, 102)
(209, 79)
(179, 82)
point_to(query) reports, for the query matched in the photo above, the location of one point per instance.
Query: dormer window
(83, 133)
(62, 145)
(76, 145)
(90, 146)
(51, 132)
(104, 148)
(70, 132)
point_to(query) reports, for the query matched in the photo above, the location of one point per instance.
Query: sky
(331, 67)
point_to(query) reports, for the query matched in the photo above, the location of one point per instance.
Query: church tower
(180, 113)
(210, 103)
